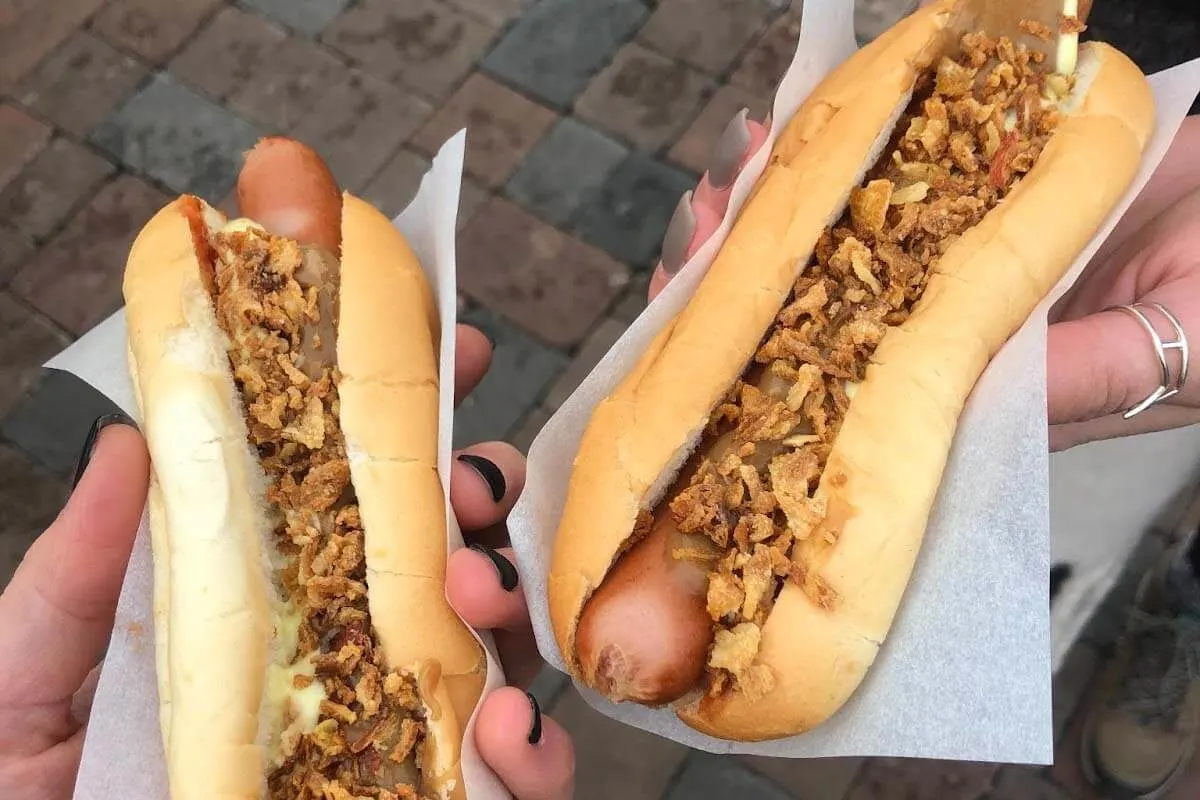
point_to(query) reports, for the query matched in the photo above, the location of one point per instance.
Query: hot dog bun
(887, 459)
(222, 628)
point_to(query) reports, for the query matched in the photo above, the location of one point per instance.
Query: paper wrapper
(123, 753)
(965, 672)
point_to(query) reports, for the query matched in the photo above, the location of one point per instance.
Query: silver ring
(1168, 387)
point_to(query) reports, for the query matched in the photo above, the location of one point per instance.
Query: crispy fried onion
(370, 734)
(977, 124)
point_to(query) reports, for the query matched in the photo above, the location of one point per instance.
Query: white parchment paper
(965, 673)
(123, 754)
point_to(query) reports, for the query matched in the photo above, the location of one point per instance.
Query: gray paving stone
(707, 777)
(427, 45)
(52, 421)
(634, 301)
(58, 179)
(568, 162)
(496, 13)
(521, 369)
(551, 284)
(227, 52)
(556, 45)
(27, 339)
(522, 436)
(888, 778)
(1016, 783)
(708, 34)
(594, 348)
(30, 498)
(614, 761)
(644, 97)
(808, 778)
(175, 136)
(394, 186)
(80, 83)
(873, 17)
(356, 124)
(306, 16)
(15, 247)
(628, 215)
(296, 74)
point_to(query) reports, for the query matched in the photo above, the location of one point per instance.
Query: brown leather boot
(1141, 731)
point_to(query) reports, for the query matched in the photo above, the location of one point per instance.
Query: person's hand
(530, 752)
(699, 212)
(1101, 363)
(56, 615)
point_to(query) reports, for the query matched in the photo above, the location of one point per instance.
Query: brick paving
(587, 119)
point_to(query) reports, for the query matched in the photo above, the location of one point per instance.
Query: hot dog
(746, 507)
(285, 367)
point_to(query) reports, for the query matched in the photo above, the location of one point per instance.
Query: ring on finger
(1170, 385)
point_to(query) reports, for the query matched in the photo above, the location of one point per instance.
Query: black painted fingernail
(535, 729)
(729, 151)
(679, 234)
(1059, 574)
(490, 473)
(504, 568)
(89, 443)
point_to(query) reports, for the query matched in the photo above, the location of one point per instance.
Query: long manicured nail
(535, 729)
(679, 235)
(490, 473)
(730, 150)
(89, 443)
(504, 568)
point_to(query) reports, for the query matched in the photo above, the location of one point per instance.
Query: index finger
(57, 613)
(700, 212)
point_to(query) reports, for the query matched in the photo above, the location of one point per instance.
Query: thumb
(1100, 364)
(56, 615)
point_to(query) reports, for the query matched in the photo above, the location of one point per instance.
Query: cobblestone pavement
(587, 120)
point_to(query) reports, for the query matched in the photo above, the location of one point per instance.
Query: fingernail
(504, 568)
(535, 729)
(730, 150)
(490, 473)
(679, 235)
(89, 443)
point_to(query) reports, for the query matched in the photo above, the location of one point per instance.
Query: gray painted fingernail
(679, 235)
(730, 150)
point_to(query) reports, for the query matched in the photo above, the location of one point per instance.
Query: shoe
(1140, 734)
